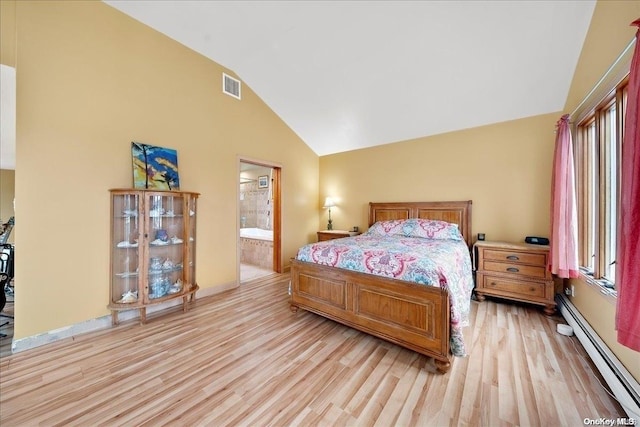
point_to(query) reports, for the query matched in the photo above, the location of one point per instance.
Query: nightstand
(515, 271)
(335, 234)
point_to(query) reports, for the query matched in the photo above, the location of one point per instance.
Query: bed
(413, 315)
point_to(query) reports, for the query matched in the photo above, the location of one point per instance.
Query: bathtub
(256, 233)
(256, 247)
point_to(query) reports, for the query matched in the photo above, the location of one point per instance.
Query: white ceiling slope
(351, 74)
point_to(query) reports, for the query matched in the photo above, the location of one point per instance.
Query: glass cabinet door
(191, 249)
(166, 246)
(125, 248)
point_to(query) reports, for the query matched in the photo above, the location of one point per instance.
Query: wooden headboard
(454, 212)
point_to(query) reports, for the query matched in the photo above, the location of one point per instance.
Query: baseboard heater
(623, 385)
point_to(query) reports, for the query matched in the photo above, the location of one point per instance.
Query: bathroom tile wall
(256, 252)
(255, 206)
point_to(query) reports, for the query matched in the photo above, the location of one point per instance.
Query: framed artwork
(154, 168)
(263, 181)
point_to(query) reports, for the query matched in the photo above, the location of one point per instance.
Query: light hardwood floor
(241, 358)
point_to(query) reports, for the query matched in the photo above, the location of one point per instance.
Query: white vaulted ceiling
(351, 74)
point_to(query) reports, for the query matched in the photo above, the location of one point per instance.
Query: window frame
(593, 156)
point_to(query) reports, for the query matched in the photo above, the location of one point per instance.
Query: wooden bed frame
(410, 315)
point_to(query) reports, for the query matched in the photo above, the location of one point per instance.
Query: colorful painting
(154, 168)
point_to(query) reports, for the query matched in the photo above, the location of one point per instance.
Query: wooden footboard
(410, 315)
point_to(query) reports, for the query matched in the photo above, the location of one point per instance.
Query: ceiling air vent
(230, 86)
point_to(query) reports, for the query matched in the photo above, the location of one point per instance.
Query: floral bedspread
(434, 262)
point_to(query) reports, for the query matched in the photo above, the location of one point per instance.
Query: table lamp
(329, 203)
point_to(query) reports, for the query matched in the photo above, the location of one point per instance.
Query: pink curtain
(628, 251)
(563, 259)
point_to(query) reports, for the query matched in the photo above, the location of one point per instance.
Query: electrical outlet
(573, 291)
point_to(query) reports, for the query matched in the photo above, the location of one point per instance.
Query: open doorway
(7, 203)
(259, 239)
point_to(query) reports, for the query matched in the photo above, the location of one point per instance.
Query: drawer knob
(512, 270)
(532, 289)
(513, 257)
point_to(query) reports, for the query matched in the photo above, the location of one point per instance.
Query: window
(598, 148)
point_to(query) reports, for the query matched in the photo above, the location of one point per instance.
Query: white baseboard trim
(623, 385)
(104, 322)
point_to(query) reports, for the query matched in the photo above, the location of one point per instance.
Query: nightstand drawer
(530, 289)
(521, 270)
(335, 234)
(325, 236)
(515, 257)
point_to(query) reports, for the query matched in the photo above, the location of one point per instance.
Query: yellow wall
(89, 81)
(505, 169)
(8, 33)
(609, 34)
(7, 191)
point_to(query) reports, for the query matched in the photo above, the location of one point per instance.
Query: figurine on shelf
(156, 211)
(162, 235)
(127, 244)
(159, 287)
(167, 264)
(129, 297)
(176, 287)
(155, 264)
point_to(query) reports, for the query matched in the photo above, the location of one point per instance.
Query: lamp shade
(329, 203)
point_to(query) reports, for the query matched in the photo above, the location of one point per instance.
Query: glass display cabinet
(153, 249)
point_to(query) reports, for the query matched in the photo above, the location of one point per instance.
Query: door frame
(276, 215)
